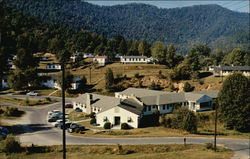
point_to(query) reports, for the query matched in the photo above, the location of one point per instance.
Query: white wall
(54, 67)
(117, 111)
(4, 83)
(133, 60)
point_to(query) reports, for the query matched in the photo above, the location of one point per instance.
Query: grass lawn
(25, 101)
(205, 129)
(76, 116)
(124, 152)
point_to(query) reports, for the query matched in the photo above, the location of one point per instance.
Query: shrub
(107, 125)
(10, 145)
(92, 115)
(209, 146)
(27, 101)
(187, 87)
(13, 111)
(137, 75)
(92, 121)
(124, 126)
(48, 99)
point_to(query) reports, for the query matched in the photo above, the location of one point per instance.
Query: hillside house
(88, 55)
(228, 70)
(4, 83)
(51, 82)
(53, 66)
(135, 59)
(101, 60)
(130, 105)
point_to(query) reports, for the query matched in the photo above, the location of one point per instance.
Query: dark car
(75, 128)
(53, 119)
(78, 110)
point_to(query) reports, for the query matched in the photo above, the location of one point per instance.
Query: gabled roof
(103, 102)
(163, 99)
(212, 94)
(232, 68)
(139, 92)
(131, 105)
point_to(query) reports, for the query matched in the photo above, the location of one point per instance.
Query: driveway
(39, 132)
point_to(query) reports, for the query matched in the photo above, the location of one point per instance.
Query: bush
(13, 111)
(27, 101)
(107, 125)
(137, 75)
(10, 145)
(187, 87)
(48, 99)
(92, 115)
(182, 118)
(124, 126)
(209, 146)
(92, 121)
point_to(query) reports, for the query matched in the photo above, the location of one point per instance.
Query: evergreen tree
(144, 48)
(234, 102)
(123, 49)
(109, 79)
(158, 50)
(170, 59)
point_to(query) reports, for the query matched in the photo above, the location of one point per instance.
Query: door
(117, 120)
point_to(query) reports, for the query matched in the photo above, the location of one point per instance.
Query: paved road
(39, 132)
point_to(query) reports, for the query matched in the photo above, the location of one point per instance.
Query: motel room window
(167, 106)
(153, 106)
(163, 107)
(149, 108)
(129, 119)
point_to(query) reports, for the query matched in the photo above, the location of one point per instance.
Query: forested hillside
(210, 24)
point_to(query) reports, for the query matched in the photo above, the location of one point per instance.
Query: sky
(235, 5)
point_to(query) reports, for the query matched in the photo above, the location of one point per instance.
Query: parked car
(78, 110)
(75, 128)
(53, 111)
(52, 119)
(59, 123)
(32, 94)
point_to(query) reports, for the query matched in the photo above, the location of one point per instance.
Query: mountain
(209, 24)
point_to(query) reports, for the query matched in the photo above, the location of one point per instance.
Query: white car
(54, 112)
(32, 94)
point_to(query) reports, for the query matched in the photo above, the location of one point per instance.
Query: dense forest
(208, 24)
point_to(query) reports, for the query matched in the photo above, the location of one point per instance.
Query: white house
(53, 66)
(135, 59)
(228, 70)
(51, 82)
(101, 60)
(88, 55)
(4, 83)
(130, 105)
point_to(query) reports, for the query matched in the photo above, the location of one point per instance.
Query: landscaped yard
(124, 152)
(26, 101)
(76, 116)
(205, 129)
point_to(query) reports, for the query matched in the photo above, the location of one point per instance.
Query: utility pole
(63, 109)
(90, 67)
(215, 127)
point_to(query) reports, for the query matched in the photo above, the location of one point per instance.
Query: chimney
(89, 101)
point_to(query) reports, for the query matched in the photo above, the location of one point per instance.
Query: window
(153, 106)
(129, 119)
(163, 107)
(167, 106)
(149, 108)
